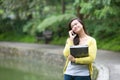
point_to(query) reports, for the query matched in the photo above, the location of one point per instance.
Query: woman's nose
(74, 27)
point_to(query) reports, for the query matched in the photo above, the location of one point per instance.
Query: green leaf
(53, 21)
(1, 11)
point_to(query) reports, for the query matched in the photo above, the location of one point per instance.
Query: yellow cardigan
(85, 60)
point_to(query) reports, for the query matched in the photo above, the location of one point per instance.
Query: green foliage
(1, 11)
(31, 26)
(99, 9)
(46, 23)
(111, 43)
(53, 22)
(86, 7)
(59, 41)
(101, 18)
(10, 36)
(102, 21)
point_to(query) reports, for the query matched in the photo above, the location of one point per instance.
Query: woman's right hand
(71, 58)
(72, 34)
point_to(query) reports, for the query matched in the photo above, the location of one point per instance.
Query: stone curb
(103, 73)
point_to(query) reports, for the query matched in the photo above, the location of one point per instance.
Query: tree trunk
(78, 13)
(63, 6)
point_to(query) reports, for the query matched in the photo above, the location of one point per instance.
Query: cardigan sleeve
(66, 50)
(92, 53)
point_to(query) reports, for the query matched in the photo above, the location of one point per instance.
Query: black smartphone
(73, 33)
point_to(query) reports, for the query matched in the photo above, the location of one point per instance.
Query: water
(24, 68)
(31, 67)
(14, 74)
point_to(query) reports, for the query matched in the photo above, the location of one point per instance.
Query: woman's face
(76, 26)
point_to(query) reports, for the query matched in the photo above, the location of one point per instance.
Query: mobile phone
(73, 33)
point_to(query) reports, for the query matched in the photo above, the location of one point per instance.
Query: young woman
(83, 68)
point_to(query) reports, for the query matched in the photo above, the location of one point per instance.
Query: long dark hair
(76, 39)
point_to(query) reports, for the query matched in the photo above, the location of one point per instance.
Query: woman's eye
(73, 25)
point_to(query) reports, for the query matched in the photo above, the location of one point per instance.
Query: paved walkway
(111, 60)
(108, 58)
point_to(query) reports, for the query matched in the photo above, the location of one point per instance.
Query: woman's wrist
(73, 60)
(71, 39)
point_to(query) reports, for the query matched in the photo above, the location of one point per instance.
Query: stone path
(112, 61)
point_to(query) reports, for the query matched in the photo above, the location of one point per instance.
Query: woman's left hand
(71, 58)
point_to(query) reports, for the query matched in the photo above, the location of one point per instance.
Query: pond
(26, 68)
(32, 64)
(14, 74)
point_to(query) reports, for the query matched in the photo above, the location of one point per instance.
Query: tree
(102, 13)
(63, 6)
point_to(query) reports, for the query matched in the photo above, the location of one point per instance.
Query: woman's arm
(92, 54)
(66, 50)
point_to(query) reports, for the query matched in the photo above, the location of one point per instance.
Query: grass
(110, 43)
(59, 41)
(17, 37)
